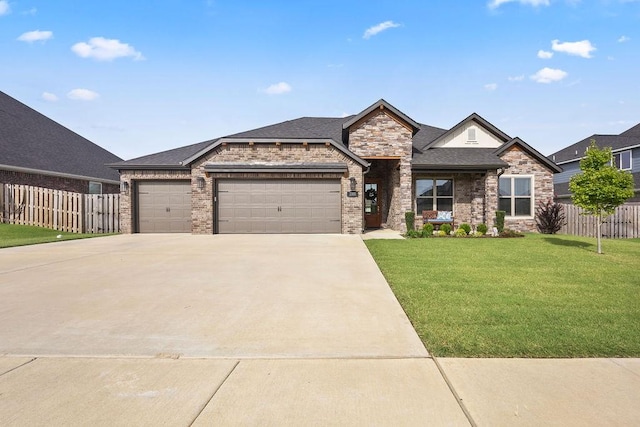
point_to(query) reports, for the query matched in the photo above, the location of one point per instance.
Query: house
(625, 148)
(35, 150)
(336, 175)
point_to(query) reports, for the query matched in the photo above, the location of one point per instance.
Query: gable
(380, 134)
(470, 134)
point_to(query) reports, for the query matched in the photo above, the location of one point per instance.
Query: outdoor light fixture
(124, 187)
(353, 183)
(200, 181)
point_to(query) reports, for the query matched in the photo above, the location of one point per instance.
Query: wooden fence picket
(60, 210)
(624, 223)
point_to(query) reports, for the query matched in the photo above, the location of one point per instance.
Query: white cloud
(516, 78)
(51, 97)
(549, 75)
(582, 48)
(278, 88)
(103, 49)
(31, 11)
(4, 7)
(82, 95)
(34, 36)
(623, 39)
(494, 4)
(491, 86)
(372, 31)
(543, 54)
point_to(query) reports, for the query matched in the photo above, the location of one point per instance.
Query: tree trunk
(599, 232)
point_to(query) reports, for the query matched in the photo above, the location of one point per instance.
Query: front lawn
(541, 296)
(20, 235)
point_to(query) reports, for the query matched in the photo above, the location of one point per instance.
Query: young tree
(601, 187)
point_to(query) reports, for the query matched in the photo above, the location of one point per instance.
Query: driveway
(267, 296)
(210, 330)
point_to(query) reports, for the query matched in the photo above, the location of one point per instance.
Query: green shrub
(441, 233)
(460, 232)
(411, 234)
(427, 229)
(410, 220)
(500, 220)
(510, 233)
(466, 227)
(446, 228)
(482, 228)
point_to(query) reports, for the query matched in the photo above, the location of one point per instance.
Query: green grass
(540, 296)
(21, 235)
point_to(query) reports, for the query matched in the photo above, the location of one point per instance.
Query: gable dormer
(380, 131)
(472, 132)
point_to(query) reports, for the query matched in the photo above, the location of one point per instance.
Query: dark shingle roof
(634, 131)
(304, 127)
(170, 158)
(31, 140)
(616, 142)
(458, 158)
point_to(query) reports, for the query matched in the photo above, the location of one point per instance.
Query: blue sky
(142, 76)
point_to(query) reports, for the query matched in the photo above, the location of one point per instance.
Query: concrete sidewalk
(256, 330)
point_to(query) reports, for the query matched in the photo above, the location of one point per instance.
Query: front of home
(336, 175)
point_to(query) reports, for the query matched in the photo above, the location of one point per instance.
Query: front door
(372, 216)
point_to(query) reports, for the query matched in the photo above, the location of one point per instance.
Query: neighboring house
(35, 150)
(626, 156)
(336, 175)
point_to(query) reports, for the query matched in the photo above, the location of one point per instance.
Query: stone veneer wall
(127, 200)
(203, 212)
(522, 164)
(381, 134)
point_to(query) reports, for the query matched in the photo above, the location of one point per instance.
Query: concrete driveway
(201, 296)
(210, 330)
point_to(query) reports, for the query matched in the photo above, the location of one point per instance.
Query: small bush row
(464, 230)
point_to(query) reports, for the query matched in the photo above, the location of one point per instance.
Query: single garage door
(279, 206)
(164, 207)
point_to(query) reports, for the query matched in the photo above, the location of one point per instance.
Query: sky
(142, 76)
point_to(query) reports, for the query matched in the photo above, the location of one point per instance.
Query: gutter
(57, 174)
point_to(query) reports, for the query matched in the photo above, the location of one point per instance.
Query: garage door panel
(164, 207)
(279, 206)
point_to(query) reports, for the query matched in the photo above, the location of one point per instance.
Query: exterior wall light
(200, 182)
(124, 187)
(353, 183)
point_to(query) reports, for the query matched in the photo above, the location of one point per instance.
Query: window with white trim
(516, 195)
(622, 160)
(434, 195)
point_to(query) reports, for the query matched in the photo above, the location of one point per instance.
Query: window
(622, 160)
(95, 187)
(434, 195)
(516, 195)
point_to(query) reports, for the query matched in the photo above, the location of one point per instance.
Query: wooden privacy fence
(60, 210)
(624, 223)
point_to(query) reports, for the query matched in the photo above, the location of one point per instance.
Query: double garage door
(279, 206)
(245, 206)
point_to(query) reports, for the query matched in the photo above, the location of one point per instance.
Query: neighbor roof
(32, 142)
(628, 138)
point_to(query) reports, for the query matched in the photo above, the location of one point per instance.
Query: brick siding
(53, 182)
